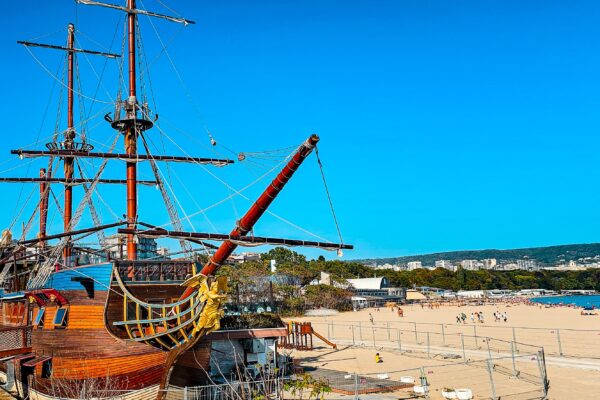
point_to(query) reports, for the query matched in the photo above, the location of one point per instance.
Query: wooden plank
(36, 361)
(14, 352)
(81, 368)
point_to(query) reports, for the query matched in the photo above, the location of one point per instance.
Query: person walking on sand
(371, 318)
(458, 319)
(472, 318)
(378, 358)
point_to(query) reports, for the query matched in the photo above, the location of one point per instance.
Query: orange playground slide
(324, 340)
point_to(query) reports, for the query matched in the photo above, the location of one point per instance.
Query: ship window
(60, 318)
(39, 318)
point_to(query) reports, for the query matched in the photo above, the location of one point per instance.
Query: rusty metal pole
(69, 139)
(131, 137)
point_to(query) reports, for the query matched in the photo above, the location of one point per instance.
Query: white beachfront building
(471, 294)
(374, 291)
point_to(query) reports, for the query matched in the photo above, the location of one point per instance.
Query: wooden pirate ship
(129, 325)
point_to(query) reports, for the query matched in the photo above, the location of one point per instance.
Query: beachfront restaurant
(374, 292)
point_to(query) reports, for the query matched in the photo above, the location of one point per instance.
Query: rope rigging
(171, 210)
(335, 220)
(239, 192)
(56, 202)
(40, 274)
(59, 81)
(93, 212)
(258, 160)
(55, 134)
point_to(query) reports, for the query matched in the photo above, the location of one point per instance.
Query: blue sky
(444, 125)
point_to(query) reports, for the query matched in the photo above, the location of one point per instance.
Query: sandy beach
(574, 375)
(519, 315)
(565, 383)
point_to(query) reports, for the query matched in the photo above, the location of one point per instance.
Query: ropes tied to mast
(56, 202)
(93, 211)
(60, 82)
(335, 220)
(171, 210)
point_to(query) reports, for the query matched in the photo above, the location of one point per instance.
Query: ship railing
(155, 270)
(165, 326)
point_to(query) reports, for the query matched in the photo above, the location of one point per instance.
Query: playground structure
(300, 336)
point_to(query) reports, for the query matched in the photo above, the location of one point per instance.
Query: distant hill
(544, 255)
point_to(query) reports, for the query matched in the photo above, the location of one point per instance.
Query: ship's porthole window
(39, 318)
(60, 318)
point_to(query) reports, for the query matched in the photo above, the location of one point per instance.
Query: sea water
(580, 301)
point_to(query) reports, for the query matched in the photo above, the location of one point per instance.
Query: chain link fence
(482, 379)
(576, 343)
(493, 368)
(472, 366)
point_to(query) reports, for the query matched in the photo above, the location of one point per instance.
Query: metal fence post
(398, 333)
(428, 348)
(559, 343)
(353, 342)
(360, 330)
(332, 329)
(462, 339)
(374, 345)
(475, 334)
(512, 351)
(355, 386)
(416, 335)
(443, 336)
(487, 341)
(542, 366)
(491, 373)
(388, 330)
(185, 393)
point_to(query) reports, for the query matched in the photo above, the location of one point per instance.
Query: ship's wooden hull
(91, 353)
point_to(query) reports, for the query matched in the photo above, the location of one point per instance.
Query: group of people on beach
(462, 317)
(478, 317)
(500, 316)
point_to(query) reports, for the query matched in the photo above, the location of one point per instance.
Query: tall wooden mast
(131, 135)
(132, 124)
(43, 207)
(69, 144)
(68, 149)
